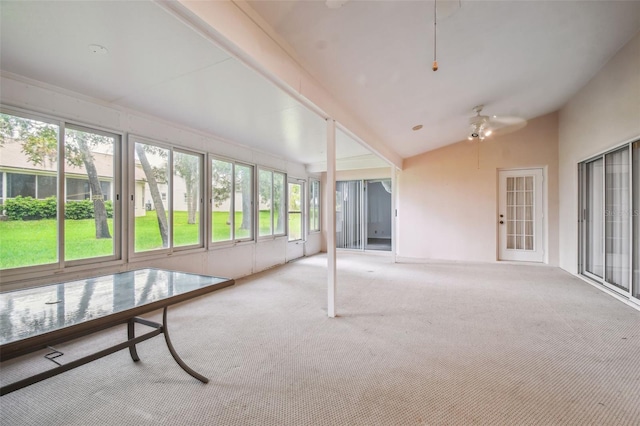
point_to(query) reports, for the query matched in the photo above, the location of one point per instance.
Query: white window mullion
(62, 194)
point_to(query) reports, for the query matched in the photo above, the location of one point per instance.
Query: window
(243, 205)
(152, 176)
(314, 205)
(21, 185)
(221, 201)
(295, 203)
(46, 186)
(163, 218)
(610, 236)
(272, 203)
(187, 178)
(88, 227)
(29, 164)
(231, 201)
(77, 189)
(30, 235)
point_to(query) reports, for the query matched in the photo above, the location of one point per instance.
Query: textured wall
(447, 206)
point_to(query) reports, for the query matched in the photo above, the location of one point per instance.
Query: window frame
(252, 185)
(117, 188)
(273, 233)
(201, 210)
(62, 265)
(122, 192)
(318, 218)
(303, 202)
(583, 192)
(172, 148)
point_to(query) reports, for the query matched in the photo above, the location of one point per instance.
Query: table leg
(131, 334)
(180, 362)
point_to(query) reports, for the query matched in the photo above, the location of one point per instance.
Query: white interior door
(521, 215)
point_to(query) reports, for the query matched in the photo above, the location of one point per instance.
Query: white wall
(232, 261)
(448, 198)
(602, 115)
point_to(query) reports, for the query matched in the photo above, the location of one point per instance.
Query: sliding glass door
(610, 219)
(636, 219)
(594, 218)
(349, 215)
(363, 214)
(617, 219)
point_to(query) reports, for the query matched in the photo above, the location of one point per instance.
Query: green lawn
(27, 243)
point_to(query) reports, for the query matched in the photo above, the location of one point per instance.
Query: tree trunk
(192, 202)
(246, 205)
(281, 215)
(163, 224)
(99, 209)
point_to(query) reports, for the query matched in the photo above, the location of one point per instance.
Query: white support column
(331, 218)
(394, 216)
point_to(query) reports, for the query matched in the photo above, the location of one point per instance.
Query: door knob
(502, 222)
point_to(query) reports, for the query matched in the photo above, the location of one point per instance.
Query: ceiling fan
(482, 126)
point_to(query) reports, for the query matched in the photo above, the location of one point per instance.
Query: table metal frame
(130, 317)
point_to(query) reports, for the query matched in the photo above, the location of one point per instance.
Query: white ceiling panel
(158, 65)
(49, 41)
(232, 101)
(523, 58)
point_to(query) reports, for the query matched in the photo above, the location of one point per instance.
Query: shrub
(109, 206)
(29, 208)
(78, 210)
(49, 208)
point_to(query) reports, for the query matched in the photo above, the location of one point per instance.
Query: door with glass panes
(521, 215)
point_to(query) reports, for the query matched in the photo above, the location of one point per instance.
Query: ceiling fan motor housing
(478, 124)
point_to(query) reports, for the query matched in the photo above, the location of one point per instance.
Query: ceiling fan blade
(482, 126)
(509, 128)
(499, 121)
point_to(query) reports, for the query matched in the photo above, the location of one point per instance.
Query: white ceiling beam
(232, 28)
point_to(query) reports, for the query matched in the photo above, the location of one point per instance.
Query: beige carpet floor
(439, 343)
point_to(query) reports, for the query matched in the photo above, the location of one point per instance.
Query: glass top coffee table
(37, 318)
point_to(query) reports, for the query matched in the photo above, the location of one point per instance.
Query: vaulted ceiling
(518, 58)
(523, 58)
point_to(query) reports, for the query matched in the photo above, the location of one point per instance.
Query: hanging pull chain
(435, 34)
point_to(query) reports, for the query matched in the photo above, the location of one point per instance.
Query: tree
(295, 203)
(243, 183)
(271, 186)
(78, 147)
(222, 173)
(188, 167)
(40, 145)
(222, 178)
(150, 174)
